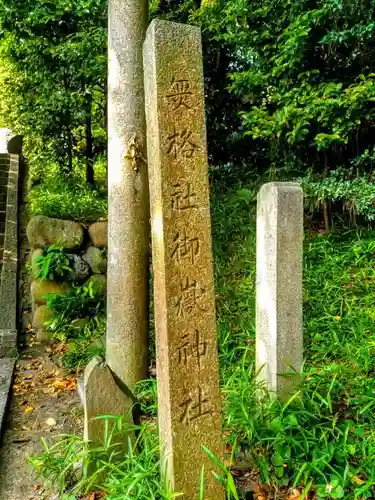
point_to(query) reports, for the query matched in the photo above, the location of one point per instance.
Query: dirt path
(44, 404)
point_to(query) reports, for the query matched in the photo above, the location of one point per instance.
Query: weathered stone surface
(6, 375)
(98, 234)
(39, 289)
(96, 259)
(279, 340)
(80, 268)
(9, 272)
(43, 335)
(44, 231)
(102, 397)
(99, 284)
(41, 316)
(187, 363)
(128, 207)
(8, 344)
(38, 252)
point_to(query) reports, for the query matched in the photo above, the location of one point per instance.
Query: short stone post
(279, 339)
(187, 361)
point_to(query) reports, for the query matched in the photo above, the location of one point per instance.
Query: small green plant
(223, 476)
(53, 264)
(146, 393)
(86, 301)
(84, 342)
(79, 320)
(80, 352)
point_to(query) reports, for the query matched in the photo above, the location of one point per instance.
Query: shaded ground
(44, 403)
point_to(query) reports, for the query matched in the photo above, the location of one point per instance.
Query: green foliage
(84, 341)
(224, 477)
(134, 474)
(119, 475)
(86, 301)
(79, 320)
(67, 200)
(356, 194)
(53, 60)
(146, 393)
(53, 264)
(323, 438)
(304, 76)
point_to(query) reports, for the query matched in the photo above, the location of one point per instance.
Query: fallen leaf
(358, 480)
(67, 384)
(29, 409)
(51, 422)
(296, 495)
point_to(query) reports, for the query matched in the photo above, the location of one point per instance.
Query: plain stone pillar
(128, 224)
(187, 361)
(128, 204)
(279, 339)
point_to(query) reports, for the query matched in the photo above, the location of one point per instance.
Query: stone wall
(86, 247)
(9, 176)
(4, 170)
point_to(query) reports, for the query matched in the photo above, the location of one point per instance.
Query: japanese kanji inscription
(180, 94)
(187, 361)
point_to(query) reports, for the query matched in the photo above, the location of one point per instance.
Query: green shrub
(82, 301)
(53, 264)
(355, 195)
(84, 343)
(59, 198)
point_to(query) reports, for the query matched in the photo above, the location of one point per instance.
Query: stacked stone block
(87, 255)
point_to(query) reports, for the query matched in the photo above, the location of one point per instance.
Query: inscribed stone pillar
(187, 360)
(279, 340)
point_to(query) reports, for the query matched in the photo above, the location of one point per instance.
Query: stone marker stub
(279, 339)
(189, 408)
(101, 396)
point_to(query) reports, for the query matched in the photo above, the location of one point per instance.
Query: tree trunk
(128, 204)
(326, 216)
(70, 151)
(89, 152)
